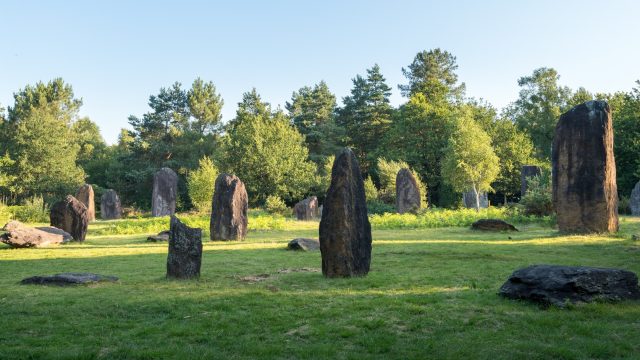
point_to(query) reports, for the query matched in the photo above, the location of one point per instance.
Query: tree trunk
(477, 193)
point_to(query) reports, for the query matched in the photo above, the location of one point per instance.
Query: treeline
(452, 142)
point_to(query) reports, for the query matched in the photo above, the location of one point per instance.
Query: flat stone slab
(68, 279)
(304, 244)
(19, 235)
(492, 225)
(161, 237)
(557, 285)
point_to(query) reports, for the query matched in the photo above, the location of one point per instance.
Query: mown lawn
(431, 293)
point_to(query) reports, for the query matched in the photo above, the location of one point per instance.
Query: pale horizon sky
(116, 54)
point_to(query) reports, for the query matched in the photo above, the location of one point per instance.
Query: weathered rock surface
(307, 209)
(345, 231)
(304, 244)
(70, 215)
(67, 279)
(185, 251)
(469, 200)
(584, 170)
(556, 285)
(527, 171)
(407, 192)
(110, 207)
(18, 235)
(634, 200)
(86, 196)
(162, 236)
(165, 191)
(492, 225)
(229, 209)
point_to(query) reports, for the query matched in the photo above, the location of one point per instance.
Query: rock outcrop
(68, 279)
(304, 244)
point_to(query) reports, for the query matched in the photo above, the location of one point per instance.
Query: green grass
(431, 293)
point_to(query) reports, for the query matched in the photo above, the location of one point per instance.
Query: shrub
(538, 201)
(378, 207)
(624, 205)
(275, 205)
(201, 183)
(5, 214)
(34, 210)
(388, 171)
(370, 191)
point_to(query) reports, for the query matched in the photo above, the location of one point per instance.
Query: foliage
(370, 190)
(626, 128)
(387, 173)
(94, 156)
(538, 199)
(624, 205)
(33, 210)
(201, 183)
(432, 74)
(377, 207)
(276, 206)
(267, 153)
(470, 162)
(5, 213)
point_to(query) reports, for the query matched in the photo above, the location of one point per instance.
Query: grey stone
(304, 244)
(557, 285)
(70, 215)
(307, 209)
(110, 207)
(492, 225)
(634, 200)
(86, 196)
(165, 192)
(18, 235)
(527, 172)
(161, 237)
(68, 279)
(185, 251)
(407, 192)
(229, 209)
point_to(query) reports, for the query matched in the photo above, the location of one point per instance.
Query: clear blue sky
(117, 53)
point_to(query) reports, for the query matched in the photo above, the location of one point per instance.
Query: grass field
(431, 293)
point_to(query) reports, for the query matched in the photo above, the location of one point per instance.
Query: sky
(116, 54)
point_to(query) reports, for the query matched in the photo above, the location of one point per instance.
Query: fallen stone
(185, 251)
(229, 208)
(68, 279)
(557, 285)
(18, 235)
(161, 237)
(492, 225)
(304, 244)
(70, 215)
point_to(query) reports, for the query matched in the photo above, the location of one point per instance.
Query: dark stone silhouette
(469, 200)
(165, 191)
(304, 244)
(229, 209)
(18, 235)
(528, 171)
(85, 195)
(634, 200)
(557, 285)
(110, 207)
(70, 215)
(185, 251)
(345, 231)
(585, 194)
(162, 236)
(307, 209)
(407, 192)
(492, 225)
(68, 279)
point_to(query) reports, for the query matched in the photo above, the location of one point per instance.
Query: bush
(34, 210)
(538, 199)
(201, 183)
(378, 207)
(387, 172)
(624, 205)
(5, 214)
(275, 205)
(370, 191)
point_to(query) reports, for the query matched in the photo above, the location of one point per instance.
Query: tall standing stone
(229, 209)
(469, 200)
(85, 195)
(407, 192)
(528, 171)
(165, 191)
(345, 232)
(584, 170)
(634, 200)
(185, 251)
(306, 209)
(70, 215)
(110, 207)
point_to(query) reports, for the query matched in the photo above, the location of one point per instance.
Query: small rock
(162, 236)
(304, 244)
(67, 279)
(492, 225)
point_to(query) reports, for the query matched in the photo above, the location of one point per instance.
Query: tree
(626, 128)
(470, 162)
(432, 73)
(205, 106)
(201, 183)
(94, 155)
(538, 108)
(267, 153)
(312, 112)
(38, 139)
(366, 115)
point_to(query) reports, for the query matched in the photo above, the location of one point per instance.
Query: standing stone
(229, 209)
(307, 209)
(469, 200)
(110, 207)
(185, 251)
(634, 200)
(345, 231)
(528, 171)
(165, 191)
(584, 170)
(407, 192)
(85, 195)
(70, 215)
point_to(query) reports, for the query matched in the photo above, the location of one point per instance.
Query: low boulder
(304, 244)
(68, 279)
(18, 235)
(557, 285)
(492, 225)
(161, 237)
